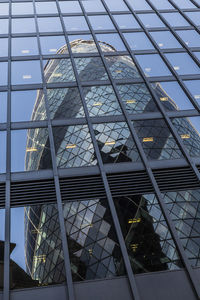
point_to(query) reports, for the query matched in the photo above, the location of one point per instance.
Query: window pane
(49, 24)
(175, 19)
(184, 4)
(90, 68)
(138, 41)
(139, 5)
(165, 40)
(162, 4)
(189, 131)
(151, 20)
(171, 96)
(190, 37)
(73, 146)
(82, 43)
(148, 240)
(27, 106)
(4, 9)
(3, 151)
(126, 21)
(4, 47)
(156, 139)
(153, 65)
(46, 7)
(30, 150)
(26, 72)
(3, 26)
(3, 73)
(194, 16)
(194, 88)
(22, 8)
(115, 143)
(24, 46)
(64, 103)
(75, 23)
(70, 7)
(110, 42)
(3, 107)
(36, 257)
(59, 70)
(182, 63)
(23, 25)
(93, 6)
(136, 98)
(118, 5)
(52, 44)
(101, 22)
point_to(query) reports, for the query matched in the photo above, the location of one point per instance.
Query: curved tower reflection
(93, 246)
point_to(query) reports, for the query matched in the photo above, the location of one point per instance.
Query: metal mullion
(167, 119)
(158, 193)
(6, 287)
(101, 166)
(69, 286)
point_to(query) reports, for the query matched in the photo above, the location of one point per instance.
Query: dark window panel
(90, 69)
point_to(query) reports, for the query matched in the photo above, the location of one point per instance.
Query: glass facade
(93, 93)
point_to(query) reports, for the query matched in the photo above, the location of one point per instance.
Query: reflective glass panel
(3, 73)
(73, 146)
(93, 6)
(185, 4)
(30, 150)
(4, 9)
(190, 37)
(162, 4)
(3, 152)
(64, 103)
(153, 65)
(23, 25)
(165, 39)
(3, 26)
(82, 43)
(115, 143)
(49, 24)
(27, 106)
(22, 8)
(183, 63)
(138, 41)
(36, 257)
(126, 21)
(156, 139)
(148, 240)
(90, 68)
(93, 246)
(151, 20)
(136, 98)
(52, 44)
(77, 23)
(175, 19)
(110, 42)
(197, 54)
(189, 131)
(101, 22)
(3, 47)
(26, 72)
(3, 107)
(194, 88)
(139, 5)
(194, 16)
(171, 96)
(184, 210)
(122, 67)
(24, 46)
(118, 5)
(70, 7)
(101, 100)
(59, 70)
(46, 7)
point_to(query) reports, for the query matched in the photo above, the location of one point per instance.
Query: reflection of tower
(93, 248)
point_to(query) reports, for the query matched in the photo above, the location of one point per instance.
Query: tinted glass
(183, 63)
(153, 65)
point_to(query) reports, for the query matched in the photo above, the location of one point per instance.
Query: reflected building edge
(93, 246)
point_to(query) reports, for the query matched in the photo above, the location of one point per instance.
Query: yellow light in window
(148, 139)
(134, 247)
(164, 99)
(52, 50)
(27, 76)
(90, 251)
(57, 74)
(135, 220)
(176, 68)
(70, 146)
(185, 136)
(130, 101)
(31, 149)
(39, 258)
(118, 71)
(110, 143)
(97, 104)
(25, 51)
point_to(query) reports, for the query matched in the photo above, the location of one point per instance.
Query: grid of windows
(99, 84)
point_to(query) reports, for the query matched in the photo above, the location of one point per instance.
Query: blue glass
(46, 7)
(138, 41)
(49, 24)
(77, 23)
(82, 43)
(22, 8)
(197, 54)
(112, 39)
(3, 47)
(184, 4)
(3, 73)
(182, 63)
(93, 6)
(126, 21)
(194, 16)
(23, 25)
(175, 19)
(3, 107)
(101, 22)
(118, 5)
(153, 65)
(26, 72)
(3, 26)
(24, 46)
(70, 7)
(52, 44)
(162, 4)
(139, 5)
(194, 88)
(3, 152)
(151, 20)
(165, 39)
(4, 9)
(190, 37)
